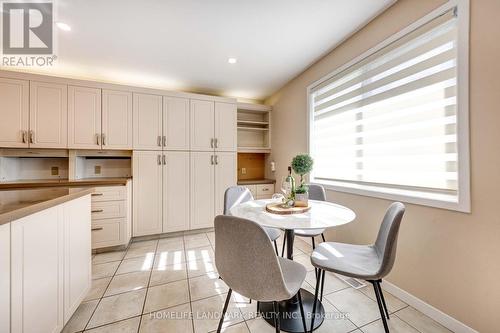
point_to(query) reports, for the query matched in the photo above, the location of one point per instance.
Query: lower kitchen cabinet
(161, 192)
(50, 266)
(5, 277)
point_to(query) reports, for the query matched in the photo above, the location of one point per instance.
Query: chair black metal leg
(283, 248)
(302, 312)
(323, 237)
(380, 306)
(221, 321)
(276, 310)
(276, 247)
(382, 298)
(316, 291)
(314, 245)
(322, 286)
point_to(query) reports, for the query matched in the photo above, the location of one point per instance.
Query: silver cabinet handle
(32, 137)
(159, 159)
(103, 139)
(96, 229)
(216, 143)
(164, 160)
(97, 211)
(158, 140)
(164, 141)
(211, 142)
(97, 139)
(23, 136)
(96, 194)
(216, 160)
(212, 159)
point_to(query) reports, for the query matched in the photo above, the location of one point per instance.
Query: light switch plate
(54, 171)
(243, 171)
(97, 169)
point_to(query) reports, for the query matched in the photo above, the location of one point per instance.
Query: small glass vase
(301, 199)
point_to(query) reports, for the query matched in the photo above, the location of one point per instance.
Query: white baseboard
(447, 321)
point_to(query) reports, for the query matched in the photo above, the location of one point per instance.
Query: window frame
(459, 202)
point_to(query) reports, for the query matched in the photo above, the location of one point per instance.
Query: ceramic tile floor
(170, 285)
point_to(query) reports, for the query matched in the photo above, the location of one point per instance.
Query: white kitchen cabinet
(202, 190)
(225, 176)
(77, 261)
(175, 123)
(202, 125)
(147, 117)
(5, 277)
(176, 191)
(14, 97)
(116, 119)
(225, 127)
(48, 115)
(37, 254)
(147, 193)
(84, 117)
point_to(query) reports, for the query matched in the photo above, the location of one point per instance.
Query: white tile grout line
(188, 285)
(147, 288)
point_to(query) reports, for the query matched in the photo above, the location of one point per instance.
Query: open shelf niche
(89, 164)
(254, 128)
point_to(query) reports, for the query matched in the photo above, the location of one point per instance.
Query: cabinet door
(225, 176)
(37, 272)
(202, 125)
(77, 253)
(202, 190)
(225, 127)
(48, 115)
(176, 191)
(176, 123)
(147, 188)
(116, 119)
(84, 117)
(5, 277)
(14, 113)
(147, 122)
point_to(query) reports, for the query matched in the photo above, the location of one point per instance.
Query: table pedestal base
(290, 318)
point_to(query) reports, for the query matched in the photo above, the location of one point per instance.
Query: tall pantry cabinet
(184, 159)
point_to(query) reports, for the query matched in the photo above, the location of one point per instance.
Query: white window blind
(391, 119)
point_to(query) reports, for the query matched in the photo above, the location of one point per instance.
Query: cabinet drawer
(252, 190)
(109, 193)
(108, 210)
(265, 189)
(107, 233)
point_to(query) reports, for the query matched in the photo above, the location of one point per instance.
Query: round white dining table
(322, 215)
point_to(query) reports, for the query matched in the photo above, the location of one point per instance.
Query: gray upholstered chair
(235, 195)
(246, 263)
(316, 192)
(367, 262)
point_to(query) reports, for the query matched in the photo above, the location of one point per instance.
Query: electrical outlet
(243, 171)
(54, 171)
(97, 169)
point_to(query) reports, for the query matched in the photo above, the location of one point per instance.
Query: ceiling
(185, 44)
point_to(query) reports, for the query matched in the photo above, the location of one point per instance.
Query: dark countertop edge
(37, 207)
(58, 183)
(256, 181)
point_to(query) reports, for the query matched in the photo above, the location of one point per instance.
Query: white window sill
(438, 200)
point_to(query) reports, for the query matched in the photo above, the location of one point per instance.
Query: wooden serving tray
(277, 208)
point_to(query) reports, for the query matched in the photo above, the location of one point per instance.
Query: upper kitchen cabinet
(175, 123)
(202, 125)
(225, 127)
(48, 116)
(147, 117)
(116, 120)
(84, 117)
(14, 97)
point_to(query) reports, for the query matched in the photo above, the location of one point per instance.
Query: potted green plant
(302, 165)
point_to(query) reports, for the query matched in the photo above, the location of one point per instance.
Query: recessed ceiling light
(232, 60)
(63, 26)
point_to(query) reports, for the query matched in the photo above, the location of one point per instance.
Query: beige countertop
(256, 181)
(15, 204)
(19, 184)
